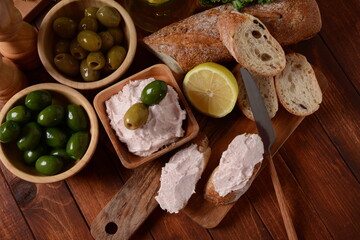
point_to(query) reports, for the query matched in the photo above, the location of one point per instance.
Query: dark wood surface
(318, 166)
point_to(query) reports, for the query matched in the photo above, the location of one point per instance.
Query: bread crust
(289, 21)
(212, 196)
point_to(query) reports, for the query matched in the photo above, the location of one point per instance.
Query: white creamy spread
(164, 124)
(179, 177)
(237, 163)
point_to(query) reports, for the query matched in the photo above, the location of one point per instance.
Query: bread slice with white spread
(267, 90)
(180, 175)
(297, 87)
(238, 167)
(250, 43)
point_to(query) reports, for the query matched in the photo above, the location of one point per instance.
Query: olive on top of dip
(164, 121)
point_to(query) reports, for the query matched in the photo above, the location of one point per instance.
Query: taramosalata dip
(164, 124)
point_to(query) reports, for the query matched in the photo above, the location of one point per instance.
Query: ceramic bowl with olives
(48, 133)
(87, 44)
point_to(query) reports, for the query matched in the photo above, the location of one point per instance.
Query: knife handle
(289, 226)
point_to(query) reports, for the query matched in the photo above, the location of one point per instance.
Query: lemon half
(212, 89)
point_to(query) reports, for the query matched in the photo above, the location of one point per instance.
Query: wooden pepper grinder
(12, 80)
(18, 39)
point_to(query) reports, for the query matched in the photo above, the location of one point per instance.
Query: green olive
(89, 40)
(30, 136)
(115, 57)
(78, 144)
(77, 118)
(20, 114)
(65, 27)
(108, 16)
(30, 156)
(95, 60)
(154, 92)
(88, 74)
(51, 116)
(77, 51)
(49, 165)
(62, 46)
(107, 40)
(61, 152)
(117, 34)
(38, 100)
(88, 23)
(67, 64)
(9, 131)
(55, 137)
(91, 12)
(136, 116)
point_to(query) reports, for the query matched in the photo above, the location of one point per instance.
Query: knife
(267, 134)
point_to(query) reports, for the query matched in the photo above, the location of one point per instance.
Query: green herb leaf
(238, 4)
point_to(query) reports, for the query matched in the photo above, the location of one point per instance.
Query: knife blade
(267, 134)
(261, 115)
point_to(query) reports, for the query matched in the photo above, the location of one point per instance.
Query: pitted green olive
(65, 27)
(91, 12)
(115, 57)
(117, 34)
(77, 51)
(89, 40)
(95, 60)
(67, 64)
(107, 40)
(88, 74)
(62, 46)
(88, 23)
(108, 16)
(154, 92)
(136, 116)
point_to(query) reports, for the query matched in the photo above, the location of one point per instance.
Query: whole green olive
(77, 51)
(61, 152)
(78, 144)
(38, 100)
(55, 137)
(136, 116)
(108, 16)
(91, 12)
(95, 60)
(67, 64)
(117, 34)
(20, 114)
(9, 131)
(65, 27)
(107, 40)
(77, 118)
(115, 57)
(62, 46)
(29, 137)
(51, 116)
(89, 40)
(154, 92)
(88, 74)
(88, 23)
(30, 156)
(49, 165)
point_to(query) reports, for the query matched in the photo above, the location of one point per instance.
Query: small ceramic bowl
(75, 9)
(12, 157)
(128, 159)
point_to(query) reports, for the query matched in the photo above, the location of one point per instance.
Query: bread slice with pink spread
(238, 167)
(180, 175)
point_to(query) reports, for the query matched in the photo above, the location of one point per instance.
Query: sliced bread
(297, 87)
(250, 43)
(267, 90)
(238, 167)
(180, 175)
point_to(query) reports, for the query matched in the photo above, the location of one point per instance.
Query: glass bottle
(151, 15)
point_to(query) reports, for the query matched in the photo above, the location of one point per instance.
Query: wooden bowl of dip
(190, 125)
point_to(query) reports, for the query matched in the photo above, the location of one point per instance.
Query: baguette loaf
(238, 167)
(297, 87)
(250, 43)
(267, 89)
(194, 40)
(180, 175)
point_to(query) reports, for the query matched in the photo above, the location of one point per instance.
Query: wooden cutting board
(135, 201)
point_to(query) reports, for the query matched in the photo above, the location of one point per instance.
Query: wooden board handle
(130, 207)
(289, 226)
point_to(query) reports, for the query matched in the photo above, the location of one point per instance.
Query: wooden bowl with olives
(48, 133)
(87, 44)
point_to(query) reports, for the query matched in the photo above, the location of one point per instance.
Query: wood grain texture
(12, 222)
(323, 175)
(31, 9)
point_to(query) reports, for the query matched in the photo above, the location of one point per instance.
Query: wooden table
(318, 166)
